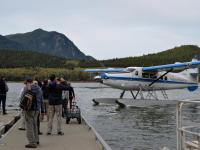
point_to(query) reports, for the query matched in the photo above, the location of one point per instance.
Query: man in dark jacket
(55, 103)
(3, 91)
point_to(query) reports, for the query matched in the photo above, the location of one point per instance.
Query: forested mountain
(14, 58)
(177, 54)
(16, 65)
(9, 44)
(52, 43)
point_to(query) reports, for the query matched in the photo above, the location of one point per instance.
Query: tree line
(15, 65)
(177, 54)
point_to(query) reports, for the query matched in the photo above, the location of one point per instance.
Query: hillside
(16, 65)
(52, 43)
(177, 54)
(9, 44)
(14, 58)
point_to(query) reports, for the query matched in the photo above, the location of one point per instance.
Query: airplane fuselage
(136, 79)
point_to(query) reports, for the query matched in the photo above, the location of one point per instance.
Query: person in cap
(41, 111)
(31, 115)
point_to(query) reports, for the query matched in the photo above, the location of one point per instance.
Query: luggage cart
(75, 112)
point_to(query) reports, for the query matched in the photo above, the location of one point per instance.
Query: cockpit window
(130, 69)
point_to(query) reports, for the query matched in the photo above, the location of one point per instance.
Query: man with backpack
(31, 101)
(3, 91)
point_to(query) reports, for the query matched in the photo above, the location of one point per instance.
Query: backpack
(28, 101)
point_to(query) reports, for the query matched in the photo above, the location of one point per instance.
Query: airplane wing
(176, 66)
(105, 70)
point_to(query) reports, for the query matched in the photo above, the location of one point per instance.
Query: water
(149, 128)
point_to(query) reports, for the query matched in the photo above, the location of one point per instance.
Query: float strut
(122, 94)
(135, 96)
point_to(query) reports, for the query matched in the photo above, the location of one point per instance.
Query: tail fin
(192, 73)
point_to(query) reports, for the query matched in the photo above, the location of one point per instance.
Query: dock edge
(98, 138)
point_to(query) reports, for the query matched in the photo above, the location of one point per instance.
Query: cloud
(108, 28)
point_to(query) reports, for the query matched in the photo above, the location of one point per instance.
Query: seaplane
(149, 79)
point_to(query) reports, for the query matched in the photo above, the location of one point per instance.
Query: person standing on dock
(71, 95)
(65, 98)
(22, 126)
(45, 92)
(31, 114)
(3, 92)
(55, 103)
(41, 109)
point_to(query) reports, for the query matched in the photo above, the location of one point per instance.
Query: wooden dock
(76, 137)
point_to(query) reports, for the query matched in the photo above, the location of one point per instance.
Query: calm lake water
(147, 128)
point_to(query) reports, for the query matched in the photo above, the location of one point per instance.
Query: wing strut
(160, 77)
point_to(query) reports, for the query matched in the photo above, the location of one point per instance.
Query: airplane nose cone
(97, 77)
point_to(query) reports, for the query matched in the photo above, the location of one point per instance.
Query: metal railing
(187, 139)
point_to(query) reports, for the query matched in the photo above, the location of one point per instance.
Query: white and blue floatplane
(179, 75)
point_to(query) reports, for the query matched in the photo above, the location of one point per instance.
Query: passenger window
(136, 73)
(153, 76)
(145, 75)
(165, 78)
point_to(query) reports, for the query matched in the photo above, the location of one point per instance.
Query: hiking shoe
(30, 146)
(60, 133)
(48, 133)
(38, 143)
(39, 133)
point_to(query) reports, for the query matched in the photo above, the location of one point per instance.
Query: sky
(108, 29)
